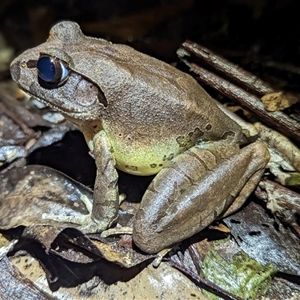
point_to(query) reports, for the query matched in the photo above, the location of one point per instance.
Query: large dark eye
(52, 70)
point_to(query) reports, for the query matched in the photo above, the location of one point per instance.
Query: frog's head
(48, 73)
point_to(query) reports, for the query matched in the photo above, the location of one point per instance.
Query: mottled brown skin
(139, 114)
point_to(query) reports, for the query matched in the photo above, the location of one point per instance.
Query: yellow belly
(146, 160)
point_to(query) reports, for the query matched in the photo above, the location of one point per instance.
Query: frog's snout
(15, 70)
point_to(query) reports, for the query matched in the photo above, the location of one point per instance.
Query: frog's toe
(50, 218)
(90, 226)
(85, 223)
(116, 231)
(87, 202)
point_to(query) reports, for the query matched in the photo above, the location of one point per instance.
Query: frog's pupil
(46, 69)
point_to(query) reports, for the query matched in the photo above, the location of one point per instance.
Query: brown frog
(143, 116)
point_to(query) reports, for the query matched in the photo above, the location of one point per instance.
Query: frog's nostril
(31, 63)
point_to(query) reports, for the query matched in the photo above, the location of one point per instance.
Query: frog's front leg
(194, 189)
(103, 212)
(106, 195)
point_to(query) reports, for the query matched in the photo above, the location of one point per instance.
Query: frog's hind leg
(194, 189)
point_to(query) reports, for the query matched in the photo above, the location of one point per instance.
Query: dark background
(254, 33)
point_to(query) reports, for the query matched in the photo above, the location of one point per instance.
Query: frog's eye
(52, 70)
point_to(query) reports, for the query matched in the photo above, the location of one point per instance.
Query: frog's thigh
(193, 190)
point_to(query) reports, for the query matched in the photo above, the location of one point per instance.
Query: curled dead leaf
(278, 101)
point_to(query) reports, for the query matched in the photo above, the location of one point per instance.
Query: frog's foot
(86, 222)
(75, 219)
(92, 225)
(159, 257)
(116, 231)
(128, 230)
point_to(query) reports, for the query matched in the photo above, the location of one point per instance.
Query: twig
(276, 119)
(246, 80)
(230, 70)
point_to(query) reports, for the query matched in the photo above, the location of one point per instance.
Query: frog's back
(154, 110)
(149, 110)
(158, 113)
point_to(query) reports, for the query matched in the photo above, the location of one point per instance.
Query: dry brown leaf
(278, 101)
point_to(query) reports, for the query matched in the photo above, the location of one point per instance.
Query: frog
(145, 117)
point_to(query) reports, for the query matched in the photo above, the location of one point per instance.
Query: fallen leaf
(278, 101)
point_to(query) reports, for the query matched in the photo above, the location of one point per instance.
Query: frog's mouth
(86, 115)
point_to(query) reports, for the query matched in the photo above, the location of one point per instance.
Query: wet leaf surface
(13, 284)
(265, 240)
(282, 202)
(108, 281)
(34, 190)
(68, 243)
(283, 289)
(236, 273)
(26, 193)
(19, 118)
